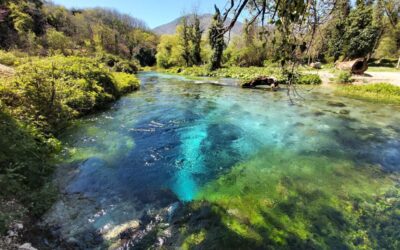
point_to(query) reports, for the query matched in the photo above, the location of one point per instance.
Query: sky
(153, 12)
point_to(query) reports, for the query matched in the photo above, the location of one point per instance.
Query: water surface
(185, 140)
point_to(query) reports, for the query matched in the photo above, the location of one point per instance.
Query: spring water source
(249, 151)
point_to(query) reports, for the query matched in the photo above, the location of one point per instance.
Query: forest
(59, 66)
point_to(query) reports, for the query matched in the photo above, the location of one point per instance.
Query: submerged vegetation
(302, 202)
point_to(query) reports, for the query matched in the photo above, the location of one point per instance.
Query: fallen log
(357, 66)
(261, 80)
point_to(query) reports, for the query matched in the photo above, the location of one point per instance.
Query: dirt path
(6, 71)
(367, 78)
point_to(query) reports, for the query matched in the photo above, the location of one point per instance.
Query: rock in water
(336, 104)
(26, 246)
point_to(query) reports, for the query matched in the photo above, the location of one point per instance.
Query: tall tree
(336, 29)
(197, 34)
(216, 39)
(361, 32)
(185, 41)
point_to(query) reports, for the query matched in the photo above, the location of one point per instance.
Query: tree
(169, 52)
(360, 34)
(184, 35)
(57, 41)
(216, 39)
(197, 34)
(337, 27)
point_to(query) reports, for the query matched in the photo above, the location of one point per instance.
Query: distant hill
(205, 21)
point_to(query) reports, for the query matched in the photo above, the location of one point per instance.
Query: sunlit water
(169, 140)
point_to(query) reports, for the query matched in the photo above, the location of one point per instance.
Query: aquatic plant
(378, 92)
(280, 199)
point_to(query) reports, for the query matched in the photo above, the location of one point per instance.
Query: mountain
(205, 22)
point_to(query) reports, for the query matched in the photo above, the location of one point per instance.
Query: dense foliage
(332, 30)
(47, 29)
(43, 96)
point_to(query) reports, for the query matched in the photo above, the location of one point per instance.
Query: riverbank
(355, 86)
(38, 99)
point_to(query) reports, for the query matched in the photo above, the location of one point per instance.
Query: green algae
(280, 199)
(99, 143)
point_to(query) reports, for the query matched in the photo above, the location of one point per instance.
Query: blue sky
(153, 12)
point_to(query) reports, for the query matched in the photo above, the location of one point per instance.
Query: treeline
(46, 29)
(369, 29)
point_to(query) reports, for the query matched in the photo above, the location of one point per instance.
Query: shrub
(118, 64)
(344, 77)
(8, 58)
(309, 79)
(56, 89)
(125, 82)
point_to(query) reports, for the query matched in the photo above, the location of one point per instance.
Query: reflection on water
(178, 139)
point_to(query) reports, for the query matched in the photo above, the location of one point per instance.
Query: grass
(382, 69)
(378, 92)
(241, 73)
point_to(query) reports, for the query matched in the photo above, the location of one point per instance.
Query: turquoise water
(166, 142)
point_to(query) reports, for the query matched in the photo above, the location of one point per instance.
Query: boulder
(316, 65)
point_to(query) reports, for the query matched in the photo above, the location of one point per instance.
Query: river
(179, 141)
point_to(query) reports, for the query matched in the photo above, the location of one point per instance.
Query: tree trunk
(357, 66)
(398, 63)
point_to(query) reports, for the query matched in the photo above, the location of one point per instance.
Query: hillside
(205, 21)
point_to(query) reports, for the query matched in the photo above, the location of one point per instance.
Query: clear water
(175, 137)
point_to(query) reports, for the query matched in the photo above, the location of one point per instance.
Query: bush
(309, 79)
(42, 97)
(344, 77)
(125, 83)
(118, 64)
(56, 89)
(24, 169)
(8, 58)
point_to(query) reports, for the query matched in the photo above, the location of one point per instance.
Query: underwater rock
(336, 104)
(344, 112)
(318, 113)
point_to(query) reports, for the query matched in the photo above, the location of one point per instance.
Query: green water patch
(107, 145)
(284, 200)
